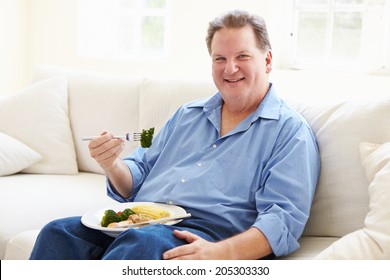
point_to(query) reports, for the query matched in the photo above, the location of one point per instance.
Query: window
(123, 28)
(338, 34)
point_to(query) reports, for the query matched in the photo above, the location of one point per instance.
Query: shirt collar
(269, 107)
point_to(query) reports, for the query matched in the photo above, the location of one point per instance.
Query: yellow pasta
(151, 211)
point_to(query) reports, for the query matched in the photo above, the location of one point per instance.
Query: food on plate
(124, 215)
(110, 216)
(151, 211)
(147, 137)
(135, 215)
(131, 220)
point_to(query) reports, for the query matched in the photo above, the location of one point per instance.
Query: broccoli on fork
(147, 137)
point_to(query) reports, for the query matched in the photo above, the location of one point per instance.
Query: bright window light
(134, 29)
(338, 34)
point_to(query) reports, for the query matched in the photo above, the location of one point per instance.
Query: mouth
(233, 81)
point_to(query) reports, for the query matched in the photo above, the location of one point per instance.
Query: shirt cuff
(280, 239)
(137, 177)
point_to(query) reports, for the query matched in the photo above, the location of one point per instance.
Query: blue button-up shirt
(261, 174)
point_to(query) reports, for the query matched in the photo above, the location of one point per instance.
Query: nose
(231, 67)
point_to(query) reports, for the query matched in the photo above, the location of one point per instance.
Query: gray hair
(239, 19)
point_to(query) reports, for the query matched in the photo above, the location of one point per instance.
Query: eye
(243, 56)
(219, 59)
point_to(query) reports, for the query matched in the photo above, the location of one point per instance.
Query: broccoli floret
(125, 214)
(109, 217)
(147, 137)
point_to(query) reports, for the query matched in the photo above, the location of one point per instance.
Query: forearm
(251, 244)
(120, 178)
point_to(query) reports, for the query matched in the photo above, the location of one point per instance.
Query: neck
(231, 118)
(233, 113)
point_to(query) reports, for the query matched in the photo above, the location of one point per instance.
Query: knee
(59, 225)
(144, 237)
(147, 243)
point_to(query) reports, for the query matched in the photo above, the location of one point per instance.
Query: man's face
(239, 68)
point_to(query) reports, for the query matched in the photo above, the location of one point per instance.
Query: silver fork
(136, 136)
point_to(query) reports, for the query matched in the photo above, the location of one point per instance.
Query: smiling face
(240, 69)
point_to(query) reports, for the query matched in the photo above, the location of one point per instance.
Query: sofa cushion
(310, 247)
(15, 156)
(97, 102)
(342, 189)
(38, 117)
(373, 240)
(39, 199)
(20, 246)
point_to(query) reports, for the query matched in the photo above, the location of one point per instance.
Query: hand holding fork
(136, 136)
(105, 151)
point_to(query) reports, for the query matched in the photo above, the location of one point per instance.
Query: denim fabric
(69, 239)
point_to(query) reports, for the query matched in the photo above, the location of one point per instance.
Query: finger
(179, 252)
(108, 150)
(100, 140)
(186, 235)
(184, 251)
(103, 144)
(111, 153)
(108, 159)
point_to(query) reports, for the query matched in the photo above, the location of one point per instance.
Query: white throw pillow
(38, 117)
(341, 201)
(15, 156)
(373, 240)
(98, 102)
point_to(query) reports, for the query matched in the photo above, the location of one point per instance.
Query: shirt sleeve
(141, 160)
(138, 177)
(288, 184)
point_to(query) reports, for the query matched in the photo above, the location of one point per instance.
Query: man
(246, 169)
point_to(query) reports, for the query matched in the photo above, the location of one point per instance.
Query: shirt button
(214, 146)
(199, 164)
(183, 181)
(170, 202)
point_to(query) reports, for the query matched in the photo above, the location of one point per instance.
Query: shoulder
(200, 105)
(206, 102)
(289, 119)
(191, 109)
(274, 107)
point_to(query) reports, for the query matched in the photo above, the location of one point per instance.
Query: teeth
(232, 81)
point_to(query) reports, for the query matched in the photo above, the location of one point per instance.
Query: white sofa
(48, 174)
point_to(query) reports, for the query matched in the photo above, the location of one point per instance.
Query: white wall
(13, 45)
(45, 32)
(53, 34)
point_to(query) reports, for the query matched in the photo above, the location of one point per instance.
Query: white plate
(93, 217)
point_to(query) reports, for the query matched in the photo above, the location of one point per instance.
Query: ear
(268, 61)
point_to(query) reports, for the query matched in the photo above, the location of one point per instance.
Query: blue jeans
(69, 239)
